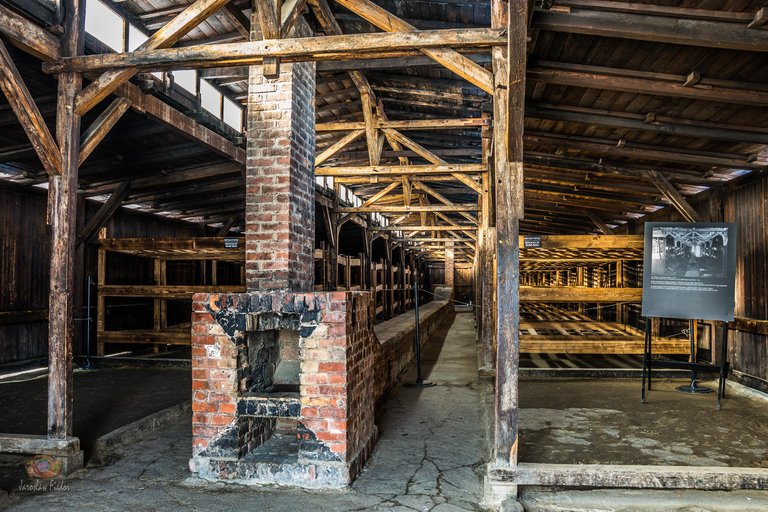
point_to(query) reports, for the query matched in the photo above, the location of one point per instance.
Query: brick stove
(282, 387)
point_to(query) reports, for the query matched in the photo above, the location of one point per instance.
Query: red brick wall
(336, 349)
(280, 181)
(449, 267)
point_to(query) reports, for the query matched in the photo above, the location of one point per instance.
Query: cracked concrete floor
(430, 456)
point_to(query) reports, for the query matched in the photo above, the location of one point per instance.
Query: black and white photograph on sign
(689, 252)
(690, 270)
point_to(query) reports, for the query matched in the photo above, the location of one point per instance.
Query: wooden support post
(62, 205)
(331, 232)
(389, 281)
(101, 303)
(508, 102)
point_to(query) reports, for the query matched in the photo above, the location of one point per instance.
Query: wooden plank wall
(748, 207)
(25, 260)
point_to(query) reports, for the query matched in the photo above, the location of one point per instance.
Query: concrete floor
(432, 449)
(430, 456)
(601, 421)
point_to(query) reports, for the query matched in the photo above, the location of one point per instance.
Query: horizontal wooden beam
(642, 27)
(680, 13)
(416, 124)
(579, 294)
(643, 85)
(288, 50)
(425, 240)
(21, 317)
(633, 476)
(596, 345)
(424, 228)
(402, 170)
(630, 121)
(749, 325)
(408, 209)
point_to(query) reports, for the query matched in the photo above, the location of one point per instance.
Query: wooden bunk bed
(591, 273)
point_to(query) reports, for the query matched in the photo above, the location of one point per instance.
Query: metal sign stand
(419, 381)
(649, 364)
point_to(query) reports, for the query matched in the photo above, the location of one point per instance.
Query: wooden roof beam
(27, 113)
(177, 28)
(599, 222)
(29, 36)
(642, 27)
(290, 50)
(630, 121)
(597, 77)
(449, 58)
(675, 197)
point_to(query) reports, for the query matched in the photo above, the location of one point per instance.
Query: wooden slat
(579, 294)
(165, 292)
(20, 317)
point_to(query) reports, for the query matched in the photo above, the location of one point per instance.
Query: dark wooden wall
(25, 257)
(747, 205)
(24, 261)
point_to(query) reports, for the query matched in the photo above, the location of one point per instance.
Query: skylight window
(104, 24)
(186, 79)
(210, 98)
(233, 115)
(135, 38)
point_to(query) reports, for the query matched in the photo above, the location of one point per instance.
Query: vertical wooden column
(389, 281)
(508, 110)
(487, 280)
(401, 279)
(62, 209)
(101, 302)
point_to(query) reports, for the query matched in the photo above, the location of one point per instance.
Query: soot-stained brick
(311, 448)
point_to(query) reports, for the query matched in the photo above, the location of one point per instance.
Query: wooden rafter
(451, 59)
(599, 222)
(177, 28)
(104, 214)
(28, 36)
(101, 126)
(338, 146)
(675, 197)
(28, 114)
